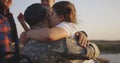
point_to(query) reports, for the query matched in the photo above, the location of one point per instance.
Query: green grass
(113, 48)
(108, 46)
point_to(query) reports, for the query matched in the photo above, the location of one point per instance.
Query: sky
(100, 19)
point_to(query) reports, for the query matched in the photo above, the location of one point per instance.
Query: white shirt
(71, 28)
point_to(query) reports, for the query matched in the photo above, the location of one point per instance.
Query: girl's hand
(82, 38)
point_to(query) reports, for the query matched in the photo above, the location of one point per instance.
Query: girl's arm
(44, 34)
(62, 30)
(47, 34)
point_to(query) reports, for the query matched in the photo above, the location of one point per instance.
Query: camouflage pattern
(57, 52)
(64, 50)
(70, 49)
(40, 52)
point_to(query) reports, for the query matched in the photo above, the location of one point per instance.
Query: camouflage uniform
(64, 50)
(55, 52)
(39, 52)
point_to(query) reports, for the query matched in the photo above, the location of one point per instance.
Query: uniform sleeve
(71, 28)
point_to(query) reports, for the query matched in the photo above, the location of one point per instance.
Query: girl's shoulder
(70, 28)
(67, 24)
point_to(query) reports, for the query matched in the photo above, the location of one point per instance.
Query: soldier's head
(35, 14)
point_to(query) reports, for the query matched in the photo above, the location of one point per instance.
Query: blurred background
(100, 19)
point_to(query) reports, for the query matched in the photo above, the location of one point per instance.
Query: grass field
(106, 46)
